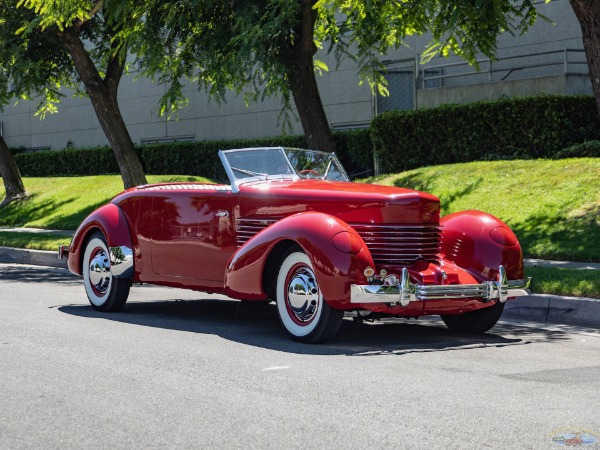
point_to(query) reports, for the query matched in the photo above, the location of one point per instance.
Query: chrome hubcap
(100, 272)
(303, 294)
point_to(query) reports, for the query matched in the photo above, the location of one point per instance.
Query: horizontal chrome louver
(247, 228)
(400, 244)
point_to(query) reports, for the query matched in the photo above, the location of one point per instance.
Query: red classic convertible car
(292, 228)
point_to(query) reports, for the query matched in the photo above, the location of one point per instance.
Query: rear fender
(337, 263)
(479, 243)
(111, 221)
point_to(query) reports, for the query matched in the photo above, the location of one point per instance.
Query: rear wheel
(478, 321)
(104, 291)
(302, 310)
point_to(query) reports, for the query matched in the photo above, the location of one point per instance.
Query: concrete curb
(543, 308)
(34, 257)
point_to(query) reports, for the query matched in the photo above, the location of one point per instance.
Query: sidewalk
(540, 308)
(561, 264)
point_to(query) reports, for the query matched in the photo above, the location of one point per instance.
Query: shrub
(529, 127)
(183, 158)
(588, 149)
(88, 161)
(355, 151)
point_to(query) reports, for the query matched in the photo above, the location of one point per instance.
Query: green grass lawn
(33, 241)
(553, 206)
(571, 282)
(61, 203)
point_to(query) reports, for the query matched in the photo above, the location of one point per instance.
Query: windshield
(261, 162)
(314, 164)
(273, 163)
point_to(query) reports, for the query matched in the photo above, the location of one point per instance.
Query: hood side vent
(245, 229)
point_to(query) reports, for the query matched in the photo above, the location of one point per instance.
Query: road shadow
(258, 325)
(37, 274)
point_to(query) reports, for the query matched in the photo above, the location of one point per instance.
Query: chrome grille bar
(400, 244)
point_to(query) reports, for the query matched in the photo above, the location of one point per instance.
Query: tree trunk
(13, 184)
(103, 94)
(588, 14)
(303, 82)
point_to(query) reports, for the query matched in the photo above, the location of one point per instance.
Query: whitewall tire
(104, 291)
(301, 307)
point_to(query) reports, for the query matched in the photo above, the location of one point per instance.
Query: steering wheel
(310, 172)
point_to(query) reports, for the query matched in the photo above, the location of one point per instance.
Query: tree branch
(95, 9)
(85, 67)
(115, 68)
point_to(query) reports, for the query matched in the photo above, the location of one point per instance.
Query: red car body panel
(206, 237)
(479, 243)
(111, 221)
(314, 232)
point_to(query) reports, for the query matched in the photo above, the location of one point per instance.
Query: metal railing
(538, 64)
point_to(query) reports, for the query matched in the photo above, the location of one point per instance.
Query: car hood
(351, 202)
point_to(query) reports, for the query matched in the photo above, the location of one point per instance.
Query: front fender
(111, 221)
(480, 243)
(337, 264)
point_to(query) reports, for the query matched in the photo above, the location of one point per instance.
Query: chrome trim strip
(121, 262)
(406, 292)
(234, 185)
(432, 227)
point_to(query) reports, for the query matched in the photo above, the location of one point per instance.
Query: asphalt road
(181, 369)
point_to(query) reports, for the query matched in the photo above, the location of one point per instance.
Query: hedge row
(516, 128)
(354, 149)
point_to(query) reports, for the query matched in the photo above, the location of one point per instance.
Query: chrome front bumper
(406, 292)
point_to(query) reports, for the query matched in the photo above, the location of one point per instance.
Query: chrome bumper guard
(406, 292)
(63, 251)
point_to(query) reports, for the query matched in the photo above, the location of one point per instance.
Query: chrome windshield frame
(236, 182)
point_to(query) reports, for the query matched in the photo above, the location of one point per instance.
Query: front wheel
(478, 321)
(104, 291)
(302, 310)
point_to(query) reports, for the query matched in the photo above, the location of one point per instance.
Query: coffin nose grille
(401, 244)
(246, 228)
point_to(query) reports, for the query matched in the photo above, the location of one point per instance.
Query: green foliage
(529, 127)
(468, 28)
(355, 151)
(32, 64)
(248, 46)
(552, 205)
(184, 158)
(90, 161)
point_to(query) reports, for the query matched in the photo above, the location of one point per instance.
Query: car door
(193, 235)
